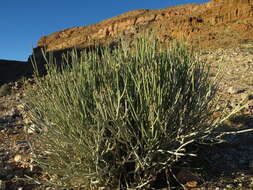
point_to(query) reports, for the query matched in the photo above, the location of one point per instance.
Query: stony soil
(229, 164)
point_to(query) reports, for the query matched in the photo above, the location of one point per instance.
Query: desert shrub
(5, 89)
(117, 117)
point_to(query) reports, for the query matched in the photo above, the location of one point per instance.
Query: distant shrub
(117, 117)
(5, 89)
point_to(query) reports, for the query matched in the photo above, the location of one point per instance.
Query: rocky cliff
(217, 23)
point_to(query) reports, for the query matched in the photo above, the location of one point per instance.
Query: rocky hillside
(218, 23)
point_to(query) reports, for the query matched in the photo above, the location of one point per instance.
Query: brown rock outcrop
(214, 24)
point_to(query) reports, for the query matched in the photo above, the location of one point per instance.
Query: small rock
(231, 90)
(20, 107)
(240, 91)
(244, 97)
(186, 177)
(18, 158)
(230, 186)
(30, 129)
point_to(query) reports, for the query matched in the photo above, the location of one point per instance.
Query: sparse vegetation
(5, 89)
(118, 118)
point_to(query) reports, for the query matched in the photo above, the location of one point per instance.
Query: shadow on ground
(230, 162)
(11, 71)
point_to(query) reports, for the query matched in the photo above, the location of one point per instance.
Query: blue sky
(23, 22)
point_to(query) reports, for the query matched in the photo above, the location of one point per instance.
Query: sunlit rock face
(211, 24)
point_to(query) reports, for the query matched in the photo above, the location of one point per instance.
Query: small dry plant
(5, 89)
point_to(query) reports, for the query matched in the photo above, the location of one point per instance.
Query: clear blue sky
(23, 22)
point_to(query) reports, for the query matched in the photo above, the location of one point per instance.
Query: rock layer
(213, 24)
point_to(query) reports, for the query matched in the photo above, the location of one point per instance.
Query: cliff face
(214, 24)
